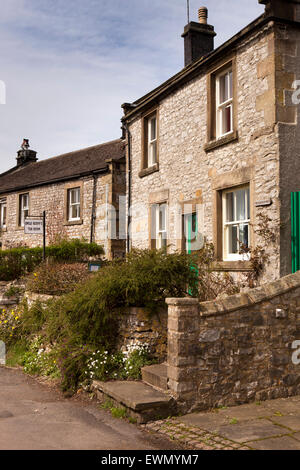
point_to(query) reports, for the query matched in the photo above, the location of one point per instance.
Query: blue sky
(69, 65)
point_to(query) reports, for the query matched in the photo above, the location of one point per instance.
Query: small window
(236, 223)
(150, 141)
(159, 225)
(74, 209)
(23, 208)
(3, 213)
(224, 102)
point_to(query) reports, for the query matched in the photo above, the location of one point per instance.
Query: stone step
(141, 401)
(156, 376)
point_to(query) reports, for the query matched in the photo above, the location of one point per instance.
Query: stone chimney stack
(285, 9)
(25, 155)
(198, 38)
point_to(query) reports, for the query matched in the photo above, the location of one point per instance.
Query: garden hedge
(18, 262)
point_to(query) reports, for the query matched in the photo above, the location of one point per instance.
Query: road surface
(34, 416)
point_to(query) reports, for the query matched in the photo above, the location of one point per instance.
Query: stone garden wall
(235, 350)
(136, 327)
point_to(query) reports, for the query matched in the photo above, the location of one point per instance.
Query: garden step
(141, 401)
(156, 376)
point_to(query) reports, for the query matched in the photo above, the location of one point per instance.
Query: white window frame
(152, 143)
(235, 256)
(74, 204)
(221, 106)
(23, 208)
(161, 232)
(3, 210)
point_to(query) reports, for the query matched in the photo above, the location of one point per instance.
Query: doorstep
(141, 401)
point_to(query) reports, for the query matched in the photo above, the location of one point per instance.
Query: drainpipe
(129, 186)
(93, 219)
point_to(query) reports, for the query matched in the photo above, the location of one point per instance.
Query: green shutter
(295, 218)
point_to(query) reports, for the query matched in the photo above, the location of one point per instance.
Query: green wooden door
(191, 221)
(191, 231)
(295, 218)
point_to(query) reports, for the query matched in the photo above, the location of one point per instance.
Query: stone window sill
(73, 222)
(214, 144)
(233, 266)
(149, 171)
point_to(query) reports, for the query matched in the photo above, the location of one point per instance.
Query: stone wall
(235, 350)
(136, 327)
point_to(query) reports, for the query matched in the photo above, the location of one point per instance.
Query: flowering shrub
(40, 361)
(9, 324)
(57, 278)
(122, 365)
(104, 366)
(136, 357)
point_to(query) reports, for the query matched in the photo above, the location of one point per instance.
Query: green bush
(144, 279)
(18, 262)
(86, 320)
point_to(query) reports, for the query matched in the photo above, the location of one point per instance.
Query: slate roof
(63, 167)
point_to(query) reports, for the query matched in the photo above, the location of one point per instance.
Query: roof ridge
(79, 150)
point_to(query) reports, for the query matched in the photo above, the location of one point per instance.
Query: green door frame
(295, 220)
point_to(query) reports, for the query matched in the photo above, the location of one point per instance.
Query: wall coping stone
(244, 299)
(254, 296)
(182, 301)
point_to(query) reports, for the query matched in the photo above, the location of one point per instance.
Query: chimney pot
(26, 155)
(203, 15)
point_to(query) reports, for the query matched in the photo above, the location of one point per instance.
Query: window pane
(244, 235)
(75, 212)
(229, 207)
(232, 239)
(4, 215)
(75, 196)
(222, 90)
(153, 222)
(162, 217)
(226, 119)
(230, 85)
(152, 154)
(153, 129)
(248, 203)
(241, 204)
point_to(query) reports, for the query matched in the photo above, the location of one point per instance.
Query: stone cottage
(214, 152)
(80, 192)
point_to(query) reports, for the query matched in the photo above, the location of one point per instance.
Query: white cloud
(69, 65)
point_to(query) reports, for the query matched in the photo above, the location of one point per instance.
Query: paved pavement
(34, 416)
(270, 425)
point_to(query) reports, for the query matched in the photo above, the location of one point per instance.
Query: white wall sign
(33, 226)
